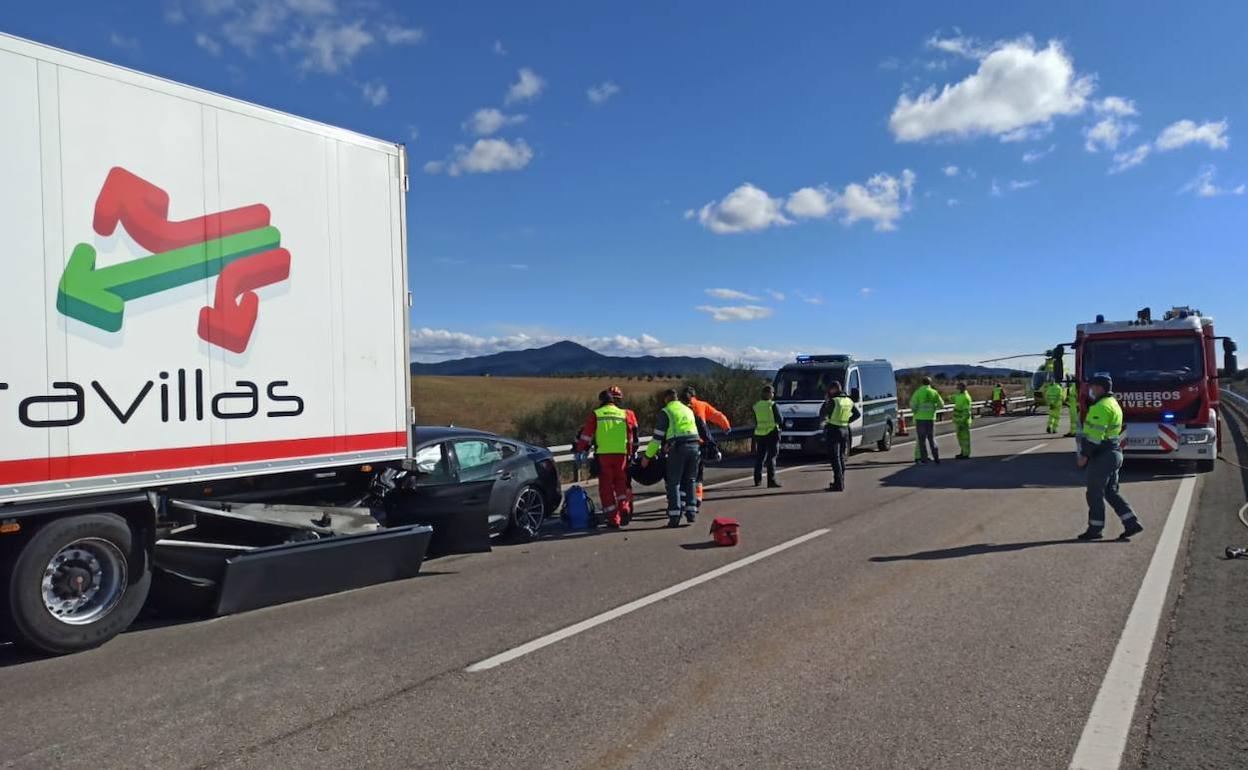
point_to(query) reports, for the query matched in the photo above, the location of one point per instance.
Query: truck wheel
(886, 441)
(74, 585)
(527, 514)
(1204, 466)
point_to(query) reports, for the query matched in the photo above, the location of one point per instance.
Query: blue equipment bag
(578, 508)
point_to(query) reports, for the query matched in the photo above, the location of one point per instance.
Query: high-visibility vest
(1072, 395)
(764, 418)
(842, 409)
(1104, 421)
(924, 403)
(611, 433)
(681, 421)
(1054, 395)
(962, 406)
(997, 394)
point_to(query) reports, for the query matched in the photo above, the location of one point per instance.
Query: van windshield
(807, 384)
(1157, 359)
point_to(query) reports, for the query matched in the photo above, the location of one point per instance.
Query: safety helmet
(1104, 380)
(615, 393)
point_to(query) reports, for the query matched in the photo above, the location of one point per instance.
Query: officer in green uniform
(1072, 406)
(962, 421)
(1102, 457)
(838, 411)
(767, 423)
(677, 432)
(1054, 395)
(924, 404)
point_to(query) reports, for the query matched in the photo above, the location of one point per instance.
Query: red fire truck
(1165, 377)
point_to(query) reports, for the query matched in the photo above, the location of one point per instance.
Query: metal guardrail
(563, 453)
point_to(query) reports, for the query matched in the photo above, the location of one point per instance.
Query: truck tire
(1205, 466)
(886, 441)
(74, 586)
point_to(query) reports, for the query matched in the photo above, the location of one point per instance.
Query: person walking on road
(1072, 406)
(838, 412)
(998, 400)
(925, 403)
(962, 421)
(677, 432)
(1054, 397)
(709, 415)
(1101, 455)
(613, 432)
(767, 421)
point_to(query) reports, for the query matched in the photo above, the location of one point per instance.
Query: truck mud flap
(262, 577)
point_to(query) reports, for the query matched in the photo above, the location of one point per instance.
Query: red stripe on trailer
(154, 460)
(1168, 438)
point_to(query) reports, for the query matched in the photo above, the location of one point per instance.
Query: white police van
(801, 388)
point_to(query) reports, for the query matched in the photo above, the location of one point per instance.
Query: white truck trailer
(204, 310)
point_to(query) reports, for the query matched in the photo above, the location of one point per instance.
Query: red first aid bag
(724, 530)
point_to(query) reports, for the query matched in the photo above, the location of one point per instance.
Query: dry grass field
(492, 403)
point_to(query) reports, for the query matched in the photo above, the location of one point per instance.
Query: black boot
(773, 484)
(673, 522)
(1091, 533)
(1132, 527)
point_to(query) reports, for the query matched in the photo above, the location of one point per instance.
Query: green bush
(554, 423)
(732, 389)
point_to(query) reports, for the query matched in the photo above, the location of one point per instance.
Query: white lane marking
(1025, 452)
(1104, 737)
(660, 498)
(637, 604)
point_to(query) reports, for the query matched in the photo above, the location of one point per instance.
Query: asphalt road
(934, 616)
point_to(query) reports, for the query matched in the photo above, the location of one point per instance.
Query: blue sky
(930, 184)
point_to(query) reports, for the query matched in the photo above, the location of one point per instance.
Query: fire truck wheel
(76, 584)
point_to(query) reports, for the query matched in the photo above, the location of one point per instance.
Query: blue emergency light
(1167, 417)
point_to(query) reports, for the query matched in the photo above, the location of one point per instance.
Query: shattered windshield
(1159, 359)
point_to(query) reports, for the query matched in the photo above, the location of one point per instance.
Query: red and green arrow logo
(238, 245)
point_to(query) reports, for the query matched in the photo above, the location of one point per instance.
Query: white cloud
(1130, 159)
(1031, 156)
(396, 35)
(1016, 87)
(811, 299)
(528, 86)
(866, 291)
(728, 313)
(488, 120)
(745, 209)
(322, 35)
(413, 134)
(959, 45)
(441, 344)
(331, 47)
(778, 296)
(1023, 184)
(1106, 133)
(995, 189)
(118, 40)
(953, 202)
(950, 170)
(731, 294)
(810, 203)
(1204, 186)
(498, 48)
(484, 157)
(1115, 105)
(207, 43)
(882, 200)
(375, 93)
(1185, 132)
(602, 92)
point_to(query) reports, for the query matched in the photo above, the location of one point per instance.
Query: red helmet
(615, 392)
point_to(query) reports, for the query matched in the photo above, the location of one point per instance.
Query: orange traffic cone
(901, 425)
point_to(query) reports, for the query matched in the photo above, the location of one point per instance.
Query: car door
(857, 427)
(439, 499)
(480, 468)
(438, 492)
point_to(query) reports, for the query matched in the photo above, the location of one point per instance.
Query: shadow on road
(979, 549)
(760, 495)
(1041, 470)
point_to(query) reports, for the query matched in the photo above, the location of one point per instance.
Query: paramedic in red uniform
(613, 432)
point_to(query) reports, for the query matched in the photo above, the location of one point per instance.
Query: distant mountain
(564, 358)
(951, 371)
